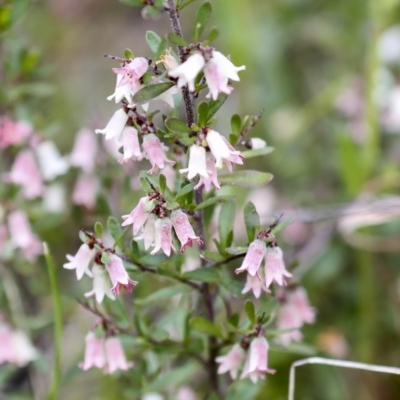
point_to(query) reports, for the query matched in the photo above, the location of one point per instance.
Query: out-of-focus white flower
(115, 126)
(232, 361)
(257, 143)
(54, 198)
(50, 161)
(85, 150)
(101, 284)
(389, 45)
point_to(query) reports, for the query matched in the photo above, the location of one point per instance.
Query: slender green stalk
(57, 324)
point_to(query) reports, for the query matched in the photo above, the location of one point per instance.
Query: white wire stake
(337, 363)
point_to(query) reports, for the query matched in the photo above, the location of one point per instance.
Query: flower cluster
(105, 353)
(255, 363)
(155, 223)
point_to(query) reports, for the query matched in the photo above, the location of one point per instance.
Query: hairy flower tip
(115, 126)
(188, 71)
(256, 365)
(115, 356)
(25, 172)
(81, 261)
(232, 361)
(13, 132)
(257, 143)
(138, 215)
(217, 73)
(275, 267)
(197, 163)
(155, 153)
(101, 284)
(51, 163)
(85, 150)
(22, 236)
(130, 143)
(163, 236)
(222, 150)
(212, 178)
(256, 284)
(94, 353)
(183, 229)
(118, 275)
(254, 257)
(131, 73)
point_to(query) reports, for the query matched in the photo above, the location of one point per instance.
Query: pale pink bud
(275, 267)
(163, 236)
(155, 152)
(131, 145)
(116, 125)
(298, 297)
(115, 356)
(255, 284)
(81, 261)
(132, 71)
(85, 150)
(197, 163)
(212, 178)
(257, 143)
(256, 365)
(168, 60)
(289, 318)
(148, 233)
(183, 229)
(222, 150)
(232, 361)
(254, 257)
(50, 161)
(188, 71)
(26, 173)
(118, 275)
(138, 215)
(13, 133)
(22, 235)
(101, 284)
(94, 352)
(86, 190)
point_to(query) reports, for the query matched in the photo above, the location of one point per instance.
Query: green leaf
(215, 105)
(281, 226)
(172, 206)
(203, 325)
(152, 13)
(212, 256)
(82, 236)
(214, 33)
(247, 179)
(114, 228)
(150, 92)
(250, 311)
(225, 223)
(185, 190)
(236, 250)
(128, 53)
(153, 179)
(162, 47)
(202, 111)
(175, 39)
(105, 258)
(155, 259)
(164, 294)
(153, 40)
(202, 15)
(251, 220)
(203, 275)
(236, 123)
(214, 200)
(162, 183)
(257, 152)
(234, 287)
(145, 185)
(98, 229)
(176, 125)
(133, 3)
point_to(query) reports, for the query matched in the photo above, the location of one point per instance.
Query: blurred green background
(314, 67)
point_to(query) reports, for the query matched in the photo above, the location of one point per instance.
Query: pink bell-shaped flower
(256, 365)
(85, 150)
(115, 126)
(256, 284)
(115, 356)
(131, 72)
(254, 257)
(148, 232)
(197, 163)
(188, 71)
(289, 318)
(222, 150)
(81, 261)
(298, 297)
(183, 229)
(118, 275)
(101, 284)
(163, 236)
(275, 267)
(86, 190)
(130, 143)
(212, 178)
(232, 361)
(122, 91)
(94, 352)
(25, 172)
(138, 215)
(13, 132)
(155, 153)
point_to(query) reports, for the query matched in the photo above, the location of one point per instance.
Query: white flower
(187, 72)
(85, 149)
(50, 161)
(121, 91)
(130, 142)
(197, 163)
(81, 261)
(115, 125)
(101, 284)
(389, 45)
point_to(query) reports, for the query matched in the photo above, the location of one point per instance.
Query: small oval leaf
(176, 125)
(246, 178)
(150, 92)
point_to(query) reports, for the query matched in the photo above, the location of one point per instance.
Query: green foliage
(225, 224)
(202, 15)
(214, 200)
(208, 275)
(246, 179)
(177, 40)
(116, 232)
(150, 92)
(153, 40)
(250, 311)
(98, 229)
(251, 220)
(203, 325)
(257, 152)
(176, 125)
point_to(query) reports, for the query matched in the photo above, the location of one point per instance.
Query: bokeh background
(326, 75)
